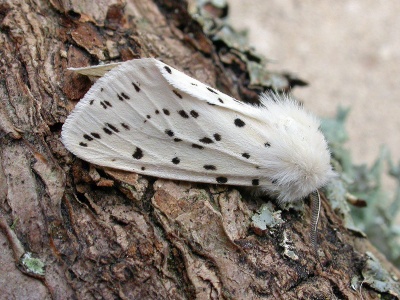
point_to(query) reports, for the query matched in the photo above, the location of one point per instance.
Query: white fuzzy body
(146, 117)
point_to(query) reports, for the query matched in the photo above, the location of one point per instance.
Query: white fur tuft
(300, 161)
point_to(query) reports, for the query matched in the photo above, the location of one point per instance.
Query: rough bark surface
(109, 234)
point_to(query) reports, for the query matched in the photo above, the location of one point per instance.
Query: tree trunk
(109, 234)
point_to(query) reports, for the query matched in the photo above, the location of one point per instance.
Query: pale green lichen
(14, 224)
(287, 247)
(377, 220)
(236, 43)
(266, 217)
(378, 278)
(32, 265)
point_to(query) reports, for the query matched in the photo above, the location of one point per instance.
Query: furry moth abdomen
(147, 117)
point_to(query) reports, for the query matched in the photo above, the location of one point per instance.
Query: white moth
(147, 117)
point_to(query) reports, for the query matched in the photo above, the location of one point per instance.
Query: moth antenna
(315, 211)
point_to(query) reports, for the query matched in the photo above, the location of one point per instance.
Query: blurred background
(349, 53)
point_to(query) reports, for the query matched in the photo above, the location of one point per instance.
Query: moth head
(304, 170)
(304, 185)
(300, 155)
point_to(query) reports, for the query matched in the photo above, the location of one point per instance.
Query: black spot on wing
(142, 168)
(183, 114)
(137, 88)
(220, 100)
(209, 103)
(108, 131)
(103, 105)
(166, 111)
(217, 137)
(274, 181)
(112, 127)
(157, 111)
(176, 160)
(138, 154)
(125, 126)
(194, 114)
(210, 167)
(91, 102)
(206, 140)
(125, 96)
(239, 123)
(192, 83)
(87, 137)
(211, 90)
(95, 135)
(246, 155)
(222, 179)
(168, 69)
(177, 140)
(255, 182)
(267, 144)
(169, 132)
(148, 117)
(197, 146)
(120, 97)
(177, 94)
(83, 144)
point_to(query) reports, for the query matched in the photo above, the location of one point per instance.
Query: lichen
(32, 265)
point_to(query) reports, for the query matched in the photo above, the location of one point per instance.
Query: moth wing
(146, 117)
(95, 71)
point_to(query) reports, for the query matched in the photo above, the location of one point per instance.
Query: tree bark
(109, 234)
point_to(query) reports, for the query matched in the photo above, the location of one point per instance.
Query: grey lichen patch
(337, 194)
(266, 218)
(378, 278)
(288, 248)
(210, 14)
(378, 218)
(32, 265)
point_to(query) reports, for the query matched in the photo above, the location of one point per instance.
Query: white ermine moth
(147, 117)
